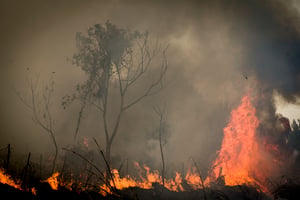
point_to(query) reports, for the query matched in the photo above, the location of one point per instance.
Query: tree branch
(149, 90)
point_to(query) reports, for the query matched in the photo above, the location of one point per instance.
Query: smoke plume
(217, 51)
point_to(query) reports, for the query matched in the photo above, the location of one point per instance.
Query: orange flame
(6, 179)
(145, 182)
(241, 160)
(52, 180)
(193, 178)
(33, 191)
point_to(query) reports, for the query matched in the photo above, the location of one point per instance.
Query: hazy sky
(213, 46)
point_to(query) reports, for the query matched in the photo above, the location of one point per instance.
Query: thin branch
(107, 164)
(44, 120)
(96, 105)
(105, 100)
(119, 80)
(122, 164)
(101, 176)
(79, 120)
(149, 91)
(22, 99)
(83, 105)
(160, 112)
(202, 182)
(86, 160)
(117, 121)
(146, 59)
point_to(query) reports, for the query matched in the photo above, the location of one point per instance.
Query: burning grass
(6, 179)
(147, 186)
(240, 171)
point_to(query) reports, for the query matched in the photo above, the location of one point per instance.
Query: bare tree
(112, 58)
(162, 129)
(39, 103)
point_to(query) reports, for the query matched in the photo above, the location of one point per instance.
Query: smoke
(273, 59)
(217, 50)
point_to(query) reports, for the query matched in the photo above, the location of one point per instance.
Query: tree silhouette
(113, 57)
(39, 103)
(162, 131)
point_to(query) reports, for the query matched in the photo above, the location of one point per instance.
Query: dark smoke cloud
(273, 46)
(214, 45)
(272, 39)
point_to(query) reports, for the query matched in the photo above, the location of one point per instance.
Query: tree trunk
(56, 152)
(162, 158)
(8, 157)
(24, 179)
(107, 152)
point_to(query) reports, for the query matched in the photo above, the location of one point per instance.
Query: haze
(217, 51)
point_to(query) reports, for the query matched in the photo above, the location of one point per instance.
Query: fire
(193, 179)
(145, 182)
(52, 180)
(6, 179)
(241, 159)
(33, 191)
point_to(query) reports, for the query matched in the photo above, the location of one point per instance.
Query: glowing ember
(52, 180)
(86, 142)
(241, 160)
(33, 191)
(6, 179)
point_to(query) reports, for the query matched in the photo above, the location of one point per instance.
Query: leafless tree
(112, 58)
(162, 129)
(39, 103)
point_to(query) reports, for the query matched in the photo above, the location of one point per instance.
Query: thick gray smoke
(217, 50)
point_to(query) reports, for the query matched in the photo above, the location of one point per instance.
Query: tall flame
(241, 159)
